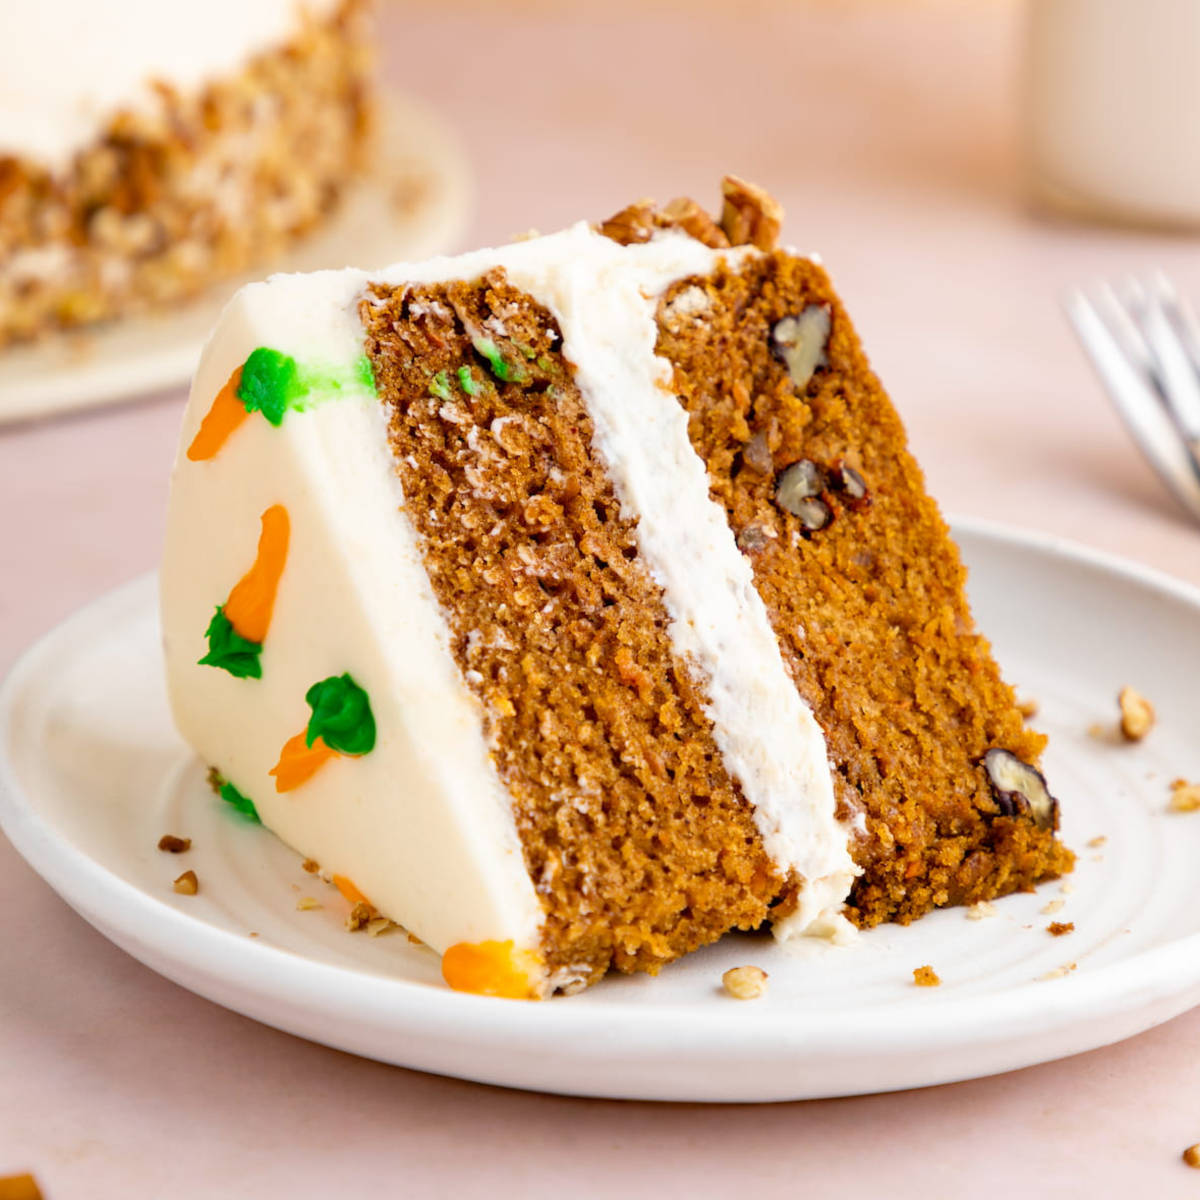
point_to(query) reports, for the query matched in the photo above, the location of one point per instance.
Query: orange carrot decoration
(347, 888)
(491, 969)
(299, 762)
(221, 420)
(341, 724)
(236, 632)
(252, 600)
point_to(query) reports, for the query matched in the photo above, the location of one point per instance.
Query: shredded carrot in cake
(220, 422)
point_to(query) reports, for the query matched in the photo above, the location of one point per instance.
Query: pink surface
(890, 134)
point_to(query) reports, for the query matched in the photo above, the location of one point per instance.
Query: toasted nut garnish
(308, 903)
(1019, 788)
(360, 914)
(1185, 797)
(174, 845)
(684, 213)
(1191, 1156)
(749, 215)
(1137, 714)
(187, 884)
(745, 983)
(378, 925)
(800, 342)
(634, 223)
(926, 977)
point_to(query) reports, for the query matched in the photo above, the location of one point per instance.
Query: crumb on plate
(187, 884)
(745, 983)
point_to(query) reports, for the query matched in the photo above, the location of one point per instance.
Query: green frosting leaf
(365, 373)
(270, 384)
(243, 804)
(341, 716)
(230, 651)
(465, 381)
(496, 361)
(439, 386)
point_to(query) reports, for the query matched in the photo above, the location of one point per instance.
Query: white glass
(1112, 96)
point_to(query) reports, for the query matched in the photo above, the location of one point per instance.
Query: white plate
(92, 773)
(412, 205)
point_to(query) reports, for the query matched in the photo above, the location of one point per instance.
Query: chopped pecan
(684, 213)
(749, 215)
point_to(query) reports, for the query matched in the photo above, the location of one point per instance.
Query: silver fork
(1144, 341)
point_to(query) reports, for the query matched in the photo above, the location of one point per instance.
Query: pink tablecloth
(889, 132)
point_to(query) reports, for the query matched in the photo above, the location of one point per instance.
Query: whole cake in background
(148, 149)
(578, 601)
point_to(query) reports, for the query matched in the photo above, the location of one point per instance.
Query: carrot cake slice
(577, 601)
(149, 148)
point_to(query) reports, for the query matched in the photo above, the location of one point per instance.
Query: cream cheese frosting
(68, 66)
(423, 824)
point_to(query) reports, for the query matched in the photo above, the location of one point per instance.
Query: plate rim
(153, 932)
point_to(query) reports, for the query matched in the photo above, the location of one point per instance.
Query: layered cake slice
(575, 602)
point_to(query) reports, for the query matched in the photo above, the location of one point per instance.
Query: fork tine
(1180, 385)
(1138, 405)
(1116, 314)
(1181, 315)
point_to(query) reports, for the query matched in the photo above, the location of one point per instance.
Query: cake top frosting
(67, 66)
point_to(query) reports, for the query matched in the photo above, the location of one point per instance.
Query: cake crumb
(745, 983)
(1185, 797)
(308, 903)
(311, 866)
(1060, 928)
(252, 933)
(1059, 972)
(187, 884)
(416, 941)
(1137, 714)
(174, 845)
(1191, 1156)
(1028, 708)
(19, 1187)
(1067, 888)
(1052, 907)
(360, 914)
(1096, 842)
(380, 925)
(926, 977)
(980, 909)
